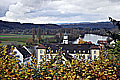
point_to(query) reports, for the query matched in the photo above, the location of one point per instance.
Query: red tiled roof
(89, 42)
(101, 41)
(40, 46)
(94, 47)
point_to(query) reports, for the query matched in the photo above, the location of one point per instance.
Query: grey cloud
(4, 6)
(61, 10)
(114, 0)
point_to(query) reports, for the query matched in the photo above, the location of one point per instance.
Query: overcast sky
(58, 11)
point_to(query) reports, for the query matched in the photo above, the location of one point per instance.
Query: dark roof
(76, 47)
(70, 47)
(40, 46)
(23, 51)
(52, 46)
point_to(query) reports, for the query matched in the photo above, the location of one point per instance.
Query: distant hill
(88, 24)
(22, 26)
(17, 25)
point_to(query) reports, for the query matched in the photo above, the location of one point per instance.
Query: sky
(58, 11)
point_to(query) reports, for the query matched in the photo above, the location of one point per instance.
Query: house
(87, 51)
(102, 43)
(43, 52)
(95, 51)
(49, 51)
(23, 54)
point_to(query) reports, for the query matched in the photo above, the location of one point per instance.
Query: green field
(21, 39)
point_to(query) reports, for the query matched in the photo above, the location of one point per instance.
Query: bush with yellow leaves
(100, 69)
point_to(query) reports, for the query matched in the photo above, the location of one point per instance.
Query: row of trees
(38, 32)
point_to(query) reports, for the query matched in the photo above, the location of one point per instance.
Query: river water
(92, 37)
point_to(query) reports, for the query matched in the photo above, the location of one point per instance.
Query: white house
(23, 54)
(87, 51)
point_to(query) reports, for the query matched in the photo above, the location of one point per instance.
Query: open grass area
(27, 36)
(14, 39)
(7, 38)
(11, 42)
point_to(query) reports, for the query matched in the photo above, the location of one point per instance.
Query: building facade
(70, 51)
(23, 54)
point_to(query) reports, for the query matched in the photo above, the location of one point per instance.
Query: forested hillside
(17, 25)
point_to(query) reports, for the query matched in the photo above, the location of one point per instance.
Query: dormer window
(67, 51)
(47, 50)
(74, 51)
(83, 51)
(88, 51)
(56, 50)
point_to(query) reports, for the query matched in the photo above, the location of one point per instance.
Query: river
(92, 37)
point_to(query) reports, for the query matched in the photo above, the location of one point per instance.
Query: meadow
(21, 39)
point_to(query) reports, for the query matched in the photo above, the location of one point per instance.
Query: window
(88, 56)
(41, 51)
(79, 56)
(79, 51)
(74, 51)
(44, 56)
(51, 56)
(47, 56)
(88, 51)
(15, 52)
(94, 56)
(94, 52)
(56, 50)
(83, 56)
(74, 56)
(40, 56)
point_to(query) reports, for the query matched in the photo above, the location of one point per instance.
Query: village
(70, 50)
(59, 40)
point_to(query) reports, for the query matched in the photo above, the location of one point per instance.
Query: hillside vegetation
(106, 67)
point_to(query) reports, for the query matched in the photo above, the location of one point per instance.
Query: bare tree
(33, 34)
(39, 34)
